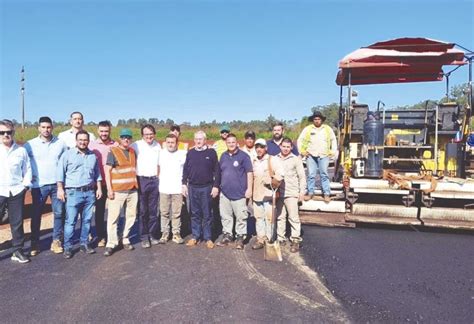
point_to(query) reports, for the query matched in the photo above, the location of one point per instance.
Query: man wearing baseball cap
(220, 146)
(249, 147)
(318, 144)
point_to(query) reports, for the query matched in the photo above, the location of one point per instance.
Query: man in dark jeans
(201, 183)
(15, 179)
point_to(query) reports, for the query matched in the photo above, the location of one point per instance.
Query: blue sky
(206, 60)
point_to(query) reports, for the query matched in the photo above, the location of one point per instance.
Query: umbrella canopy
(399, 60)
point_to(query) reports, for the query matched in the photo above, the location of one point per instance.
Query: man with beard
(273, 145)
(101, 148)
(44, 152)
(220, 145)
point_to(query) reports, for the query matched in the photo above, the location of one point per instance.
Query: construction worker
(249, 147)
(267, 175)
(318, 144)
(15, 178)
(220, 145)
(44, 152)
(122, 185)
(273, 145)
(77, 124)
(101, 147)
(292, 191)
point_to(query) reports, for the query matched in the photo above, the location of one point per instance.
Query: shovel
(272, 251)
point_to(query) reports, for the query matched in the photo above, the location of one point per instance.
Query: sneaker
(239, 243)
(258, 245)
(192, 242)
(327, 199)
(146, 244)
(67, 254)
(295, 247)
(87, 249)
(178, 239)
(35, 249)
(128, 247)
(164, 238)
(101, 243)
(154, 241)
(20, 257)
(210, 244)
(108, 251)
(226, 239)
(57, 247)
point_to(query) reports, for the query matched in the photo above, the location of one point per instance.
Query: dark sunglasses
(126, 137)
(6, 132)
(224, 132)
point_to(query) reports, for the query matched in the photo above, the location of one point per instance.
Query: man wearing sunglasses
(220, 146)
(15, 178)
(121, 178)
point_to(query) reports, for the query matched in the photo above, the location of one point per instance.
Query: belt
(83, 188)
(144, 177)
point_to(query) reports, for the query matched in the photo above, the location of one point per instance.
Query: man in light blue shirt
(44, 152)
(79, 184)
(15, 178)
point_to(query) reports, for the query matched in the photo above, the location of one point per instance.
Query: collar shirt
(15, 170)
(262, 179)
(251, 152)
(234, 169)
(102, 150)
(148, 157)
(294, 183)
(171, 171)
(69, 137)
(320, 141)
(76, 169)
(273, 148)
(44, 157)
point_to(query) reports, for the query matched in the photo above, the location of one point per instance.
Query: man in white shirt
(44, 152)
(15, 178)
(77, 123)
(148, 153)
(171, 165)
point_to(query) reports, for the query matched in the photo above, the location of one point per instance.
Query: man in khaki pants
(121, 178)
(292, 191)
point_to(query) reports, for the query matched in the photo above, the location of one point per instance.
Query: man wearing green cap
(220, 146)
(122, 185)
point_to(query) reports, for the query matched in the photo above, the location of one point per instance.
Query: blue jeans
(318, 165)
(40, 195)
(78, 202)
(201, 212)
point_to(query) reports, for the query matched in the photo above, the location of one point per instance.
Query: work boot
(239, 243)
(177, 238)
(20, 257)
(226, 239)
(295, 247)
(327, 199)
(164, 238)
(210, 244)
(67, 254)
(108, 251)
(192, 242)
(101, 243)
(87, 249)
(258, 245)
(57, 247)
(308, 197)
(35, 249)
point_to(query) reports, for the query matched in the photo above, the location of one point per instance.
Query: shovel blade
(272, 252)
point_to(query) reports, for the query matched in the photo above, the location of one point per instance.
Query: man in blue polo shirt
(273, 145)
(236, 186)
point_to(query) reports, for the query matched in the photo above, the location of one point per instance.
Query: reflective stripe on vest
(307, 138)
(124, 175)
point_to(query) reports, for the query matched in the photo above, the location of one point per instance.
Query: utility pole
(22, 89)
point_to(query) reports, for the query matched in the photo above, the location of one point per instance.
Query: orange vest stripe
(124, 175)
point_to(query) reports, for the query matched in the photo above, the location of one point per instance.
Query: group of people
(87, 177)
